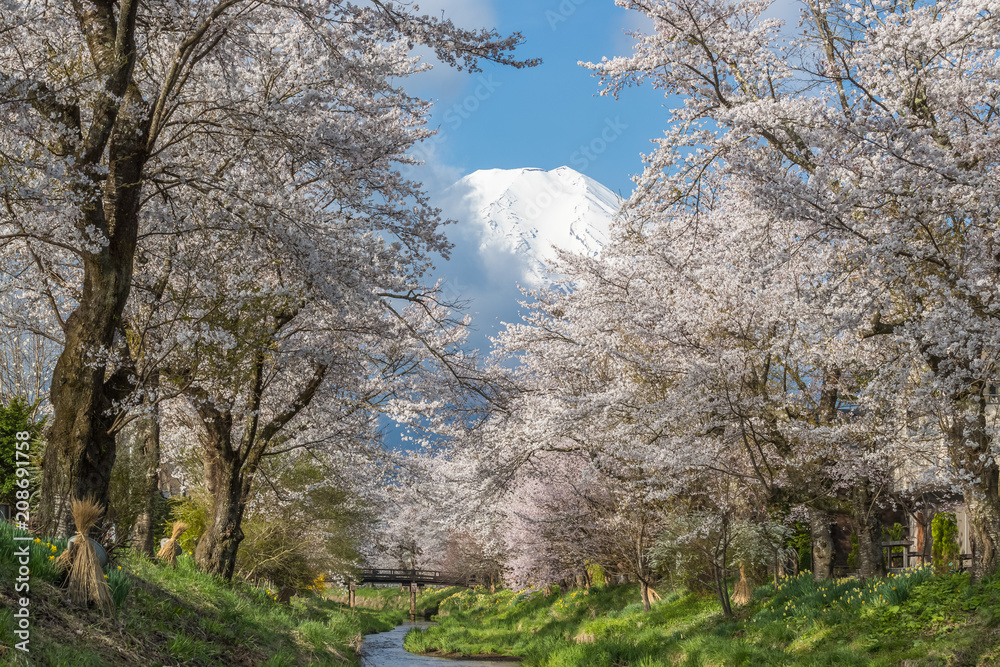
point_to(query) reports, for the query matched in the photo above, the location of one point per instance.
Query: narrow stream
(385, 649)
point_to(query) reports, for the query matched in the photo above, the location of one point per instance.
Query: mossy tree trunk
(868, 529)
(81, 442)
(822, 544)
(230, 468)
(148, 431)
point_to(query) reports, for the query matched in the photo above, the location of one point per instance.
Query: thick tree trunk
(149, 436)
(869, 531)
(81, 449)
(971, 448)
(216, 550)
(644, 592)
(984, 508)
(230, 471)
(822, 544)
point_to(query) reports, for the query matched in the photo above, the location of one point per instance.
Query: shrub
(126, 492)
(852, 558)
(193, 513)
(801, 542)
(944, 529)
(272, 552)
(14, 418)
(596, 574)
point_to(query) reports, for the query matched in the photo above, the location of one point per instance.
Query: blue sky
(547, 116)
(543, 117)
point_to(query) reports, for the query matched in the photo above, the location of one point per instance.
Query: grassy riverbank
(915, 620)
(393, 599)
(172, 617)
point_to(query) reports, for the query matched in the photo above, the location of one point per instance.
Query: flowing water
(385, 649)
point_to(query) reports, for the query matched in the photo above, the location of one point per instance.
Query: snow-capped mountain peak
(529, 212)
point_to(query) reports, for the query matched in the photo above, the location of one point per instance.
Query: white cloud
(443, 83)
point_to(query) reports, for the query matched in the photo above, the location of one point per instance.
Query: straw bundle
(742, 592)
(86, 578)
(168, 552)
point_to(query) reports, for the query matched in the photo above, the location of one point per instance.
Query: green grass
(915, 619)
(392, 598)
(42, 553)
(166, 616)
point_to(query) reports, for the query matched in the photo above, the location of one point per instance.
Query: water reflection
(385, 649)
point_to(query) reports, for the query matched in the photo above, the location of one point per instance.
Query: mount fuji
(527, 213)
(510, 222)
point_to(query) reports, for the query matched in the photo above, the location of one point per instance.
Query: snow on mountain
(517, 216)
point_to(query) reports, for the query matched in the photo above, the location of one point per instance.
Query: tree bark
(217, 548)
(777, 566)
(230, 471)
(644, 592)
(984, 508)
(869, 531)
(81, 449)
(722, 589)
(149, 436)
(822, 544)
(971, 449)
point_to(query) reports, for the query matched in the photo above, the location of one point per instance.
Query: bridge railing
(378, 575)
(378, 572)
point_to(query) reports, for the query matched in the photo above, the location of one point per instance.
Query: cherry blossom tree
(877, 133)
(130, 122)
(690, 350)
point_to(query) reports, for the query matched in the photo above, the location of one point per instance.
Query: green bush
(596, 574)
(127, 490)
(801, 541)
(945, 553)
(192, 512)
(14, 418)
(270, 552)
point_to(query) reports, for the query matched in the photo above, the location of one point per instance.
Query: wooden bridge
(421, 577)
(412, 578)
